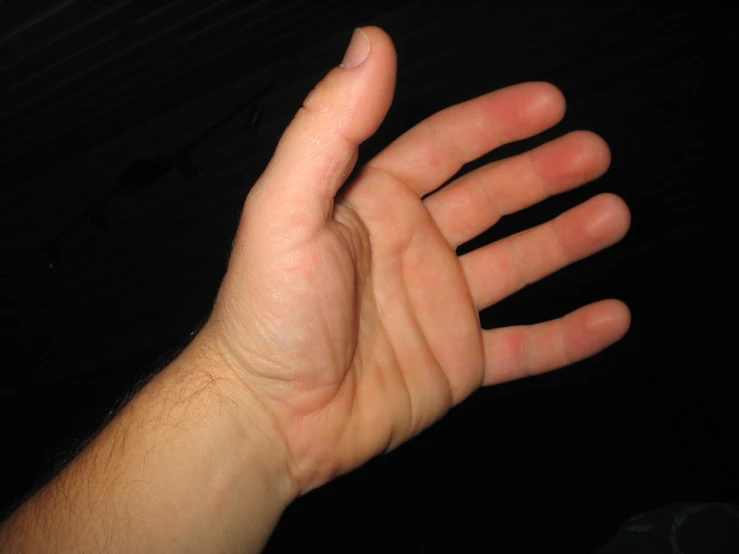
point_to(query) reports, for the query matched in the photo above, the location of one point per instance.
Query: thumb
(319, 149)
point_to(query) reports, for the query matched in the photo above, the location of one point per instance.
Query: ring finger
(504, 267)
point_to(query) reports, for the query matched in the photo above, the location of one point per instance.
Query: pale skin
(346, 322)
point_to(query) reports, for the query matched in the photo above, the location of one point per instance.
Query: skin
(346, 323)
(353, 320)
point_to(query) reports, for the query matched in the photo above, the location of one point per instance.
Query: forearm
(182, 468)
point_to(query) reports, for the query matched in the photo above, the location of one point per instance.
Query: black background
(113, 251)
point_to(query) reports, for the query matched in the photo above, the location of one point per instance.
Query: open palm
(348, 313)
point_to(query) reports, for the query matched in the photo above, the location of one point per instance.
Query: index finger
(429, 154)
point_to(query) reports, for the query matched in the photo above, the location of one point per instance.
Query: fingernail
(358, 50)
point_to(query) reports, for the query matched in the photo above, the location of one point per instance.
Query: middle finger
(476, 201)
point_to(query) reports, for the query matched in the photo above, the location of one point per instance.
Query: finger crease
(563, 343)
(477, 178)
(560, 246)
(523, 280)
(540, 181)
(446, 145)
(528, 354)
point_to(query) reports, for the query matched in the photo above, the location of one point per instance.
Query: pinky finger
(525, 350)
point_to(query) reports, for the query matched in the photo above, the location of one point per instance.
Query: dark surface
(679, 527)
(113, 250)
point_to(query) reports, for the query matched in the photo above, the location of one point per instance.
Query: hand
(348, 314)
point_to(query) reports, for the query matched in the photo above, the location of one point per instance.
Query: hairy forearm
(187, 466)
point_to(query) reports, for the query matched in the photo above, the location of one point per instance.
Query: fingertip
(621, 317)
(381, 50)
(626, 314)
(594, 150)
(621, 310)
(377, 35)
(538, 103)
(610, 317)
(621, 213)
(553, 96)
(368, 88)
(358, 51)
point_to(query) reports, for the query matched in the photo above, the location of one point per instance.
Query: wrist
(234, 440)
(189, 465)
(243, 420)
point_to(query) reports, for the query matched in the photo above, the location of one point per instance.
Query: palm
(420, 350)
(379, 337)
(358, 323)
